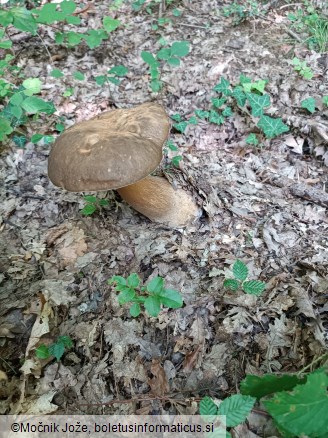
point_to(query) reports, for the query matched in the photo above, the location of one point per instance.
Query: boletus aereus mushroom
(118, 150)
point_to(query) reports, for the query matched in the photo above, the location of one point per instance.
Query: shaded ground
(266, 207)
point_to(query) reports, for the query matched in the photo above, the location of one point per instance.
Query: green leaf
(309, 104)
(68, 7)
(149, 59)
(171, 298)
(231, 284)
(155, 85)
(74, 38)
(258, 103)
(5, 128)
(181, 127)
(180, 48)
(258, 86)
(272, 127)
(91, 199)
(176, 117)
(32, 86)
(17, 98)
(103, 202)
(49, 14)
(42, 352)
(36, 138)
(59, 37)
(24, 20)
(176, 160)
(223, 87)
(202, 114)
(154, 73)
(252, 139)
(33, 105)
(71, 19)
(118, 280)
(304, 410)
(60, 127)
(66, 341)
(135, 310)
(176, 12)
(88, 209)
(95, 37)
(100, 80)
(268, 384)
(126, 295)
(240, 270)
(236, 408)
(218, 102)
(227, 112)
(239, 95)
(110, 24)
(118, 70)
(57, 350)
(216, 118)
(193, 121)
(164, 54)
(133, 280)
(325, 100)
(254, 287)
(78, 76)
(244, 80)
(56, 73)
(19, 140)
(6, 44)
(113, 80)
(208, 407)
(6, 17)
(153, 305)
(175, 62)
(171, 145)
(155, 286)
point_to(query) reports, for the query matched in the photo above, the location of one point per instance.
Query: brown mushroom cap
(109, 151)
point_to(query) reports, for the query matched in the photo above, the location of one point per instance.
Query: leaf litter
(266, 207)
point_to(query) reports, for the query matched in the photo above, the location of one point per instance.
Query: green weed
(240, 273)
(57, 349)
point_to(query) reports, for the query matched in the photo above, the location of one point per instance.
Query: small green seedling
(57, 349)
(309, 104)
(112, 75)
(93, 204)
(240, 272)
(152, 296)
(172, 147)
(252, 140)
(303, 69)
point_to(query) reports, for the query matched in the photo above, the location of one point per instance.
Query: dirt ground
(264, 206)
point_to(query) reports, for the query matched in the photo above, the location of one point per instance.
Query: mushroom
(118, 150)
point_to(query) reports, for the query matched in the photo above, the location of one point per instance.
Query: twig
(312, 363)
(193, 25)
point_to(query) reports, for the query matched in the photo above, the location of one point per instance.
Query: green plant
(325, 100)
(171, 55)
(302, 68)
(240, 273)
(56, 349)
(298, 403)
(252, 139)
(172, 147)
(152, 296)
(112, 75)
(309, 104)
(245, 93)
(93, 204)
(242, 11)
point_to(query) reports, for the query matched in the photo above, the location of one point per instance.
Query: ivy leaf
(227, 112)
(223, 87)
(304, 410)
(260, 386)
(153, 305)
(216, 118)
(236, 408)
(20, 141)
(309, 104)
(252, 139)
(258, 103)
(218, 102)
(272, 127)
(155, 286)
(110, 24)
(180, 48)
(176, 117)
(240, 270)
(181, 127)
(254, 287)
(176, 160)
(239, 95)
(171, 298)
(202, 114)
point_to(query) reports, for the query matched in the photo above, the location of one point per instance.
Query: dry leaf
(158, 384)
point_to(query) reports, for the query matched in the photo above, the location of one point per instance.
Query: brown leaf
(158, 384)
(191, 360)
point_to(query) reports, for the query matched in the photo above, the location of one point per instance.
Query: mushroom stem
(156, 199)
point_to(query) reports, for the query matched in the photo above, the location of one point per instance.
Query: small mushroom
(118, 150)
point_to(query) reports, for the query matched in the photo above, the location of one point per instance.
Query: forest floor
(264, 205)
